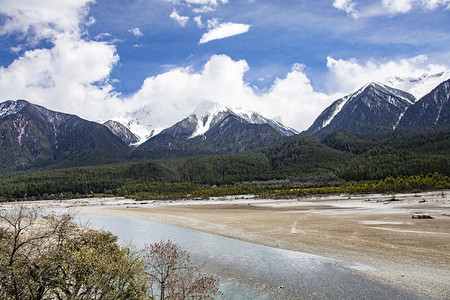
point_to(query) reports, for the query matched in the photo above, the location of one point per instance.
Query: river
(251, 271)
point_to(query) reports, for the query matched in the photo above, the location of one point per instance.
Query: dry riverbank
(372, 230)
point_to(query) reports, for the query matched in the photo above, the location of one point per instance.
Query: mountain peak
(11, 107)
(432, 110)
(208, 108)
(207, 115)
(372, 105)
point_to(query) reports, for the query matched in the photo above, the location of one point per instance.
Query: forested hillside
(350, 156)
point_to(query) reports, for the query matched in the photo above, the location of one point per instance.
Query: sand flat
(370, 229)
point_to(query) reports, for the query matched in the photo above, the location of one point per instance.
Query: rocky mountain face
(122, 132)
(374, 105)
(214, 129)
(33, 136)
(432, 110)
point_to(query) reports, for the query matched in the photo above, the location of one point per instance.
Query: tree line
(295, 157)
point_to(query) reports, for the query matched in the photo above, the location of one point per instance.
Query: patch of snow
(418, 86)
(149, 120)
(205, 114)
(20, 125)
(337, 109)
(253, 117)
(11, 107)
(399, 119)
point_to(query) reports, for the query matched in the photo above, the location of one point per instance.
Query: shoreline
(371, 230)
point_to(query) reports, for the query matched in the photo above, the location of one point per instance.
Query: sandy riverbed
(410, 253)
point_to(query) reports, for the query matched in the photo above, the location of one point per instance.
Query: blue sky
(287, 58)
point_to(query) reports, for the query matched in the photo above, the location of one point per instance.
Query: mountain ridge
(211, 129)
(33, 136)
(370, 106)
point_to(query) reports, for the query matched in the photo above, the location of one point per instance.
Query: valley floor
(370, 229)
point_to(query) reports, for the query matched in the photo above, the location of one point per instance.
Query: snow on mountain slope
(432, 110)
(122, 132)
(374, 104)
(11, 107)
(253, 117)
(208, 114)
(417, 86)
(150, 120)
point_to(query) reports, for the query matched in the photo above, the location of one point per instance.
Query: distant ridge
(33, 136)
(214, 129)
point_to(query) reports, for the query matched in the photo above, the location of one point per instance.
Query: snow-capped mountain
(150, 120)
(122, 132)
(209, 114)
(212, 129)
(256, 118)
(33, 136)
(432, 110)
(373, 105)
(417, 86)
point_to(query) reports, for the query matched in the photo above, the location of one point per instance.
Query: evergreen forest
(335, 162)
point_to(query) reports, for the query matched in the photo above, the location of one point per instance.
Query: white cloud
(348, 6)
(74, 76)
(200, 6)
(404, 6)
(71, 77)
(220, 31)
(348, 75)
(203, 9)
(136, 32)
(43, 19)
(433, 4)
(175, 93)
(181, 20)
(198, 21)
(397, 6)
(207, 2)
(91, 21)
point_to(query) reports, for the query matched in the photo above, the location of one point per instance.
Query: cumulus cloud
(136, 32)
(43, 19)
(222, 80)
(219, 31)
(70, 77)
(73, 75)
(181, 20)
(348, 6)
(348, 75)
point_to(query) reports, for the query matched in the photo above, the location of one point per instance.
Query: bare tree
(174, 276)
(50, 257)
